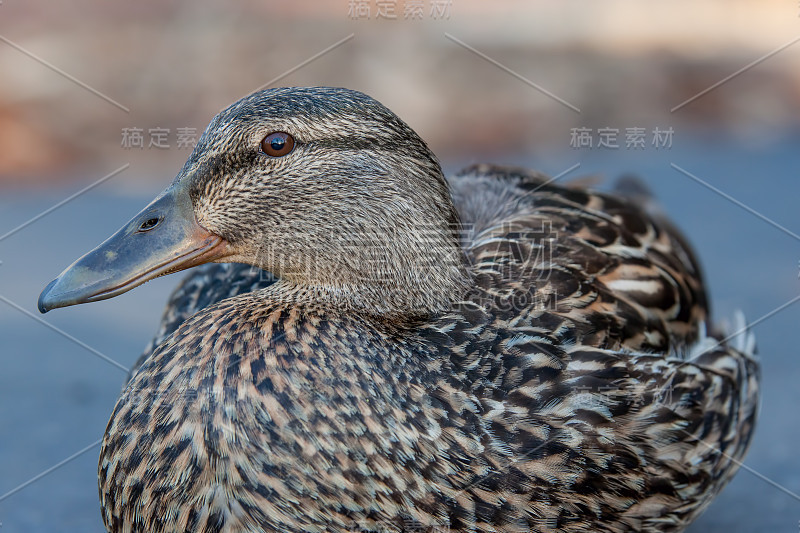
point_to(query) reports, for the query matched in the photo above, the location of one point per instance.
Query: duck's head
(324, 187)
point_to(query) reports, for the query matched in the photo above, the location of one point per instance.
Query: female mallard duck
(495, 353)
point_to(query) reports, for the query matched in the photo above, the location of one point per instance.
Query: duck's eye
(277, 144)
(149, 224)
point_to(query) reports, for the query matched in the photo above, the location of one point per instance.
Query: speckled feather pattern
(571, 387)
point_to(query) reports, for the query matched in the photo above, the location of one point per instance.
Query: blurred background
(101, 103)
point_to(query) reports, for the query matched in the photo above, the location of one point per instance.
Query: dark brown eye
(277, 144)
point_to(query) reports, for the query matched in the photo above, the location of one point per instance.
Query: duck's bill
(163, 238)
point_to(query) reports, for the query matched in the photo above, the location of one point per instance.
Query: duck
(367, 345)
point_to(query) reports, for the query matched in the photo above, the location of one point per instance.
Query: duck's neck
(408, 296)
(421, 277)
(398, 254)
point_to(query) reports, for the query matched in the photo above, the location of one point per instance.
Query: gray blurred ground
(56, 395)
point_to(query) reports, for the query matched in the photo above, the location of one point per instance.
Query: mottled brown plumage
(499, 354)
